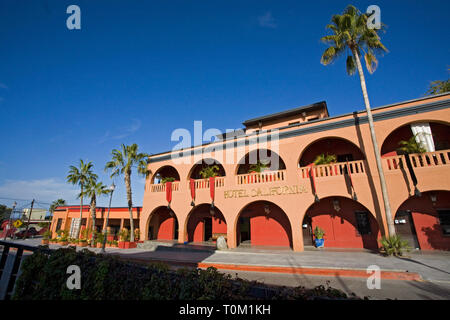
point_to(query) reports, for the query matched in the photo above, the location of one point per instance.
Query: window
(58, 224)
(294, 123)
(444, 219)
(362, 222)
(313, 118)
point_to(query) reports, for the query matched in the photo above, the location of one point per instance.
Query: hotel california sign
(267, 191)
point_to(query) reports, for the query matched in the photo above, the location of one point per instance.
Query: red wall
(195, 223)
(426, 220)
(340, 227)
(271, 230)
(166, 228)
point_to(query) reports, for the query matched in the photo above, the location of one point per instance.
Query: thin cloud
(44, 190)
(123, 132)
(267, 21)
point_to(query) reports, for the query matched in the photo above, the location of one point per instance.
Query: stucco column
(231, 236)
(297, 237)
(121, 223)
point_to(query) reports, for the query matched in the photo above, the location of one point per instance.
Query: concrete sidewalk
(433, 266)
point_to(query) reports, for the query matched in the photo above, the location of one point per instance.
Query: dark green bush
(104, 277)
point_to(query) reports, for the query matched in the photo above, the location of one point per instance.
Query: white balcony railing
(261, 177)
(334, 169)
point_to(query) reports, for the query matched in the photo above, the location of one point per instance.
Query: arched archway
(195, 172)
(165, 172)
(205, 224)
(270, 159)
(263, 223)
(162, 225)
(343, 149)
(440, 133)
(346, 222)
(425, 221)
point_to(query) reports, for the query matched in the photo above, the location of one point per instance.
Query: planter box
(127, 245)
(99, 245)
(64, 243)
(44, 242)
(83, 244)
(319, 243)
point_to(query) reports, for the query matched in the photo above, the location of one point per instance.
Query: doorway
(307, 231)
(207, 232)
(404, 226)
(245, 229)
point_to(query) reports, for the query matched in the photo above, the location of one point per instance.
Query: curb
(359, 273)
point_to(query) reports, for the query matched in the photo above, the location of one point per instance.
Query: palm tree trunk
(387, 206)
(81, 212)
(130, 204)
(93, 205)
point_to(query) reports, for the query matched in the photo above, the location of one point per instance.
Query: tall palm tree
(80, 176)
(93, 190)
(351, 36)
(122, 163)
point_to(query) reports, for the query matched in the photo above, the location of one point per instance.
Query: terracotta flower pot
(83, 244)
(44, 241)
(64, 243)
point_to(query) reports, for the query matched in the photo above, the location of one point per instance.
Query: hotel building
(281, 205)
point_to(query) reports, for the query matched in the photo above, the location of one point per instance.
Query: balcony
(161, 187)
(261, 177)
(424, 160)
(334, 169)
(204, 183)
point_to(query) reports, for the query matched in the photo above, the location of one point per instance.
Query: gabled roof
(287, 113)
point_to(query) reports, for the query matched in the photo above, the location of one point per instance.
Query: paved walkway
(431, 266)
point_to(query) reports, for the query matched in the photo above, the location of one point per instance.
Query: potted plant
(99, 239)
(82, 243)
(124, 242)
(115, 244)
(46, 236)
(209, 172)
(167, 179)
(137, 233)
(63, 240)
(318, 235)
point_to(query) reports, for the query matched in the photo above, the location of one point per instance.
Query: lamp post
(105, 231)
(10, 216)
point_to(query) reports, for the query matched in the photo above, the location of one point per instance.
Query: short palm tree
(258, 167)
(80, 176)
(411, 146)
(123, 162)
(209, 171)
(324, 159)
(350, 33)
(93, 190)
(55, 204)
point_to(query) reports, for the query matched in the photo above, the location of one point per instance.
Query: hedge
(104, 277)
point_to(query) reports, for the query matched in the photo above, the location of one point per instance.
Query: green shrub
(105, 277)
(319, 232)
(394, 245)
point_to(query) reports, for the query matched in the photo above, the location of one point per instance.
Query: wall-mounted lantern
(336, 205)
(433, 198)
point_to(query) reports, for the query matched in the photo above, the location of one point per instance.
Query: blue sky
(137, 70)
